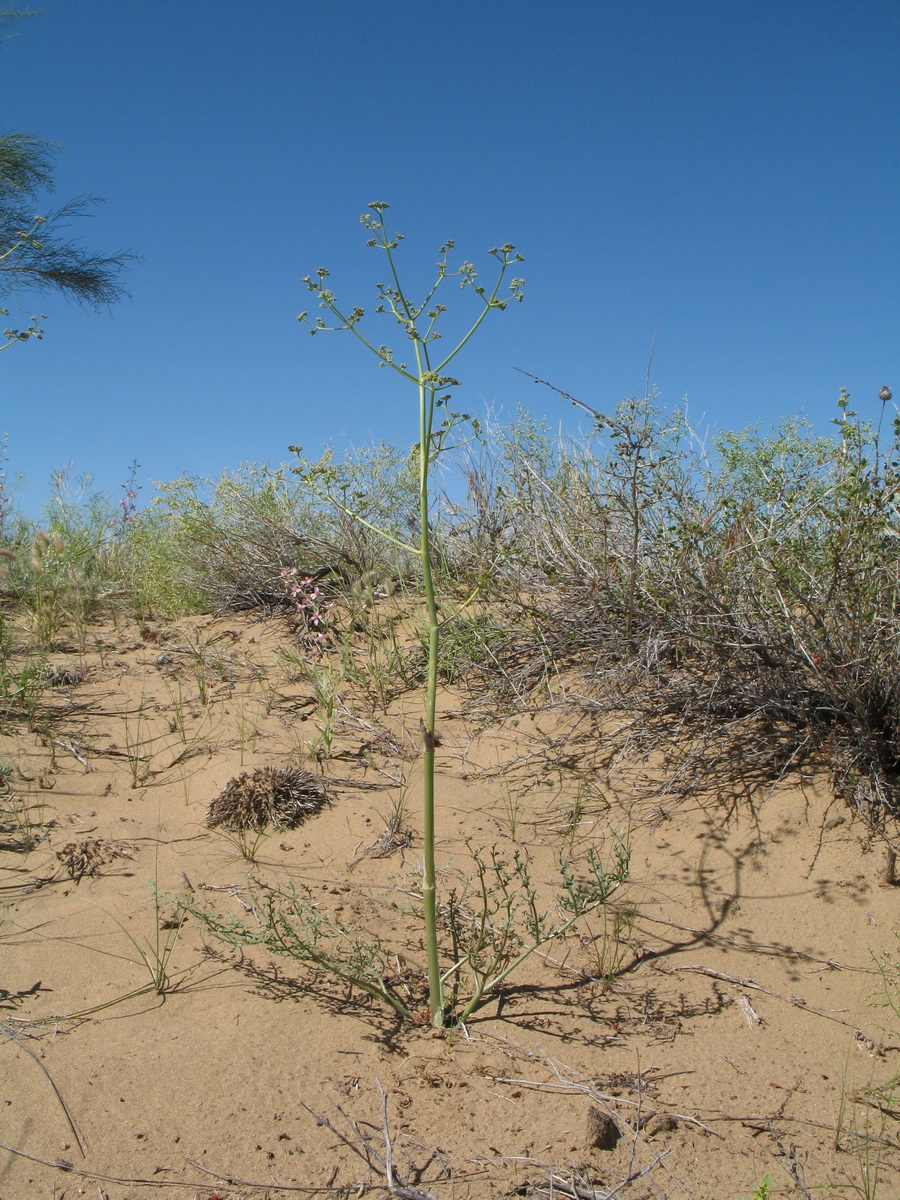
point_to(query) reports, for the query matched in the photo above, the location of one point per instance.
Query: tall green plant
(418, 324)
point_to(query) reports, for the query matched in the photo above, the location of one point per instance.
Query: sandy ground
(717, 1025)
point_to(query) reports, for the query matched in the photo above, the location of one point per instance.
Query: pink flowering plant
(307, 598)
(127, 503)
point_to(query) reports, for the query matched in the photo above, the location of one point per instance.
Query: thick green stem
(392, 300)
(429, 888)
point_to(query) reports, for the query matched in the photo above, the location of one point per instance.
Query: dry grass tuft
(279, 796)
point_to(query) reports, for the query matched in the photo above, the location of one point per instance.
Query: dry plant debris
(279, 796)
(602, 1131)
(88, 856)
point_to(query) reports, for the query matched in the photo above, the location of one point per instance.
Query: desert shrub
(800, 593)
(471, 524)
(598, 512)
(57, 569)
(369, 499)
(751, 588)
(223, 545)
(159, 568)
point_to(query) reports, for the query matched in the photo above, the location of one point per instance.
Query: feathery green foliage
(35, 252)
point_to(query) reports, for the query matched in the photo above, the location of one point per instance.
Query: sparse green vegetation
(749, 589)
(724, 610)
(620, 598)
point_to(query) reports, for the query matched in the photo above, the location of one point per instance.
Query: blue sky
(725, 172)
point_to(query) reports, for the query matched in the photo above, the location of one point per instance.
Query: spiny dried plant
(279, 796)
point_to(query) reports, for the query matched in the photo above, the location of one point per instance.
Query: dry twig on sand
(383, 1164)
(63, 1164)
(11, 1034)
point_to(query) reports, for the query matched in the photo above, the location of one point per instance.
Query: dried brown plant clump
(89, 855)
(279, 796)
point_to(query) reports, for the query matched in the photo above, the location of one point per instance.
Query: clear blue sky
(724, 172)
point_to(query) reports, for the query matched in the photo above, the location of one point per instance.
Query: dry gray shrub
(742, 600)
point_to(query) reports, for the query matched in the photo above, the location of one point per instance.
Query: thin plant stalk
(428, 381)
(10, 1035)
